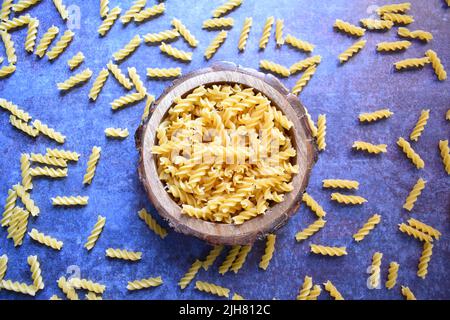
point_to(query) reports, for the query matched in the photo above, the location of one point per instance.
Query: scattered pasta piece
(63, 154)
(215, 44)
(18, 225)
(243, 37)
(313, 205)
(274, 67)
(163, 72)
(398, 18)
(104, 8)
(279, 32)
(49, 132)
(411, 63)
(47, 159)
(340, 184)
(26, 200)
(18, 287)
(407, 293)
(175, 53)
(420, 125)
(8, 209)
(116, 133)
(9, 49)
(425, 258)
(347, 199)
(374, 24)
(410, 153)
(16, 22)
(137, 82)
(67, 289)
(22, 5)
(128, 49)
(76, 60)
(45, 240)
(240, 258)
(304, 79)
(395, 8)
(375, 269)
(75, 80)
(218, 23)
(30, 39)
(22, 126)
(352, 50)
(151, 12)
(123, 254)
(184, 32)
(109, 21)
(328, 251)
(392, 275)
(369, 147)
(152, 223)
(144, 283)
(61, 45)
(267, 29)
(232, 254)
(310, 230)
(305, 289)
(414, 194)
(419, 225)
(46, 40)
(3, 265)
(190, 275)
(334, 293)
(393, 46)
(419, 235)
(86, 284)
(445, 154)
(137, 6)
(437, 65)
(92, 165)
(321, 132)
(118, 74)
(148, 104)
(95, 233)
(70, 201)
(304, 64)
(14, 110)
(212, 288)
(375, 116)
(299, 44)
(349, 28)
(61, 8)
(268, 253)
(226, 7)
(165, 35)
(98, 84)
(212, 256)
(48, 172)
(416, 34)
(35, 269)
(368, 226)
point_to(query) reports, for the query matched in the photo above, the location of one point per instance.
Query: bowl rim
(278, 213)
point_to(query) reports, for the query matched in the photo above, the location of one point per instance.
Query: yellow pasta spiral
(184, 32)
(10, 204)
(369, 147)
(314, 293)
(419, 235)
(410, 153)
(397, 7)
(18, 225)
(67, 288)
(18, 287)
(226, 7)
(411, 63)
(306, 289)
(152, 223)
(375, 116)
(419, 225)
(95, 233)
(161, 36)
(321, 131)
(218, 23)
(117, 73)
(424, 260)
(14, 110)
(392, 275)
(393, 46)
(116, 132)
(98, 84)
(150, 12)
(212, 288)
(22, 126)
(333, 291)
(407, 293)
(30, 39)
(49, 132)
(437, 64)
(374, 278)
(243, 37)
(240, 258)
(9, 49)
(16, 22)
(328, 251)
(109, 21)
(368, 226)
(104, 8)
(279, 32)
(46, 159)
(133, 10)
(192, 272)
(232, 254)
(136, 80)
(128, 49)
(144, 283)
(347, 199)
(3, 266)
(35, 269)
(304, 79)
(123, 254)
(126, 100)
(445, 154)
(420, 125)
(26, 200)
(76, 60)
(48, 172)
(215, 44)
(374, 24)
(70, 201)
(349, 28)
(61, 45)
(86, 284)
(175, 53)
(46, 40)
(310, 230)
(92, 165)
(268, 253)
(398, 18)
(313, 205)
(61, 8)
(45, 240)
(63, 154)
(299, 44)
(6, 71)
(305, 63)
(266, 32)
(163, 72)
(416, 34)
(352, 50)
(274, 67)
(340, 184)
(212, 256)
(414, 194)
(6, 9)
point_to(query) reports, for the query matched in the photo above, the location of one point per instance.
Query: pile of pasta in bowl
(224, 153)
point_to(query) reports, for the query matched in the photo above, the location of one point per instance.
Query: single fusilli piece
(375, 116)
(46, 159)
(92, 165)
(61, 8)
(414, 194)
(45, 240)
(340, 184)
(392, 275)
(352, 50)
(136, 80)
(445, 154)
(137, 6)
(374, 24)
(437, 64)
(18, 287)
(163, 72)
(396, 8)
(299, 44)
(61, 45)
(14, 110)
(398, 18)
(76, 60)
(117, 133)
(321, 131)
(266, 32)
(95, 233)
(150, 12)
(410, 153)
(328, 251)
(215, 44)
(165, 35)
(212, 288)
(313, 205)
(425, 258)
(63, 154)
(22, 5)
(375, 269)
(128, 49)
(26, 200)
(9, 47)
(6, 9)
(184, 32)
(6, 71)
(232, 254)
(126, 100)
(118, 74)
(412, 63)
(23, 126)
(268, 253)
(67, 289)
(86, 284)
(3, 266)
(35, 269)
(420, 125)
(243, 37)
(304, 64)
(274, 67)
(16, 22)
(152, 223)
(46, 40)
(305, 289)
(104, 8)
(407, 293)
(109, 21)
(175, 53)
(416, 34)
(98, 84)
(144, 283)
(190, 275)
(48, 172)
(8, 209)
(30, 39)
(70, 201)
(349, 28)
(310, 230)
(393, 46)
(218, 23)
(419, 225)
(332, 290)
(18, 225)
(123, 254)
(240, 258)
(226, 7)
(368, 226)
(75, 80)
(212, 256)
(419, 235)
(347, 199)
(369, 147)
(304, 79)
(279, 32)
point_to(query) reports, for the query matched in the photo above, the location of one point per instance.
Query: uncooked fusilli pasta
(133, 10)
(152, 223)
(175, 53)
(407, 293)
(127, 100)
(392, 275)
(419, 225)
(304, 79)
(10, 204)
(416, 34)
(299, 44)
(16, 22)
(375, 269)
(266, 32)
(274, 67)
(3, 266)
(333, 291)
(375, 116)
(45, 240)
(30, 39)
(22, 5)
(63, 154)
(165, 35)
(184, 32)
(95, 233)
(92, 165)
(245, 33)
(240, 258)
(98, 84)
(306, 289)
(18, 287)
(232, 254)
(425, 258)
(396, 8)
(374, 24)
(14, 110)
(35, 269)
(215, 44)
(76, 60)
(190, 275)
(419, 235)
(226, 7)
(120, 77)
(414, 194)
(46, 40)
(26, 200)
(48, 172)
(445, 154)
(393, 46)
(349, 28)
(61, 45)
(150, 12)
(410, 153)
(310, 230)
(144, 283)
(369, 147)
(279, 32)
(212, 256)
(6, 71)
(347, 199)
(411, 63)
(340, 184)
(437, 65)
(163, 72)
(398, 18)
(218, 23)
(420, 125)
(321, 131)
(109, 21)
(352, 50)
(49, 132)
(104, 8)
(304, 64)
(22, 126)
(212, 288)
(67, 289)
(9, 48)
(86, 284)
(46, 159)
(313, 205)
(70, 201)
(61, 8)
(268, 253)
(368, 226)
(116, 133)
(328, 251)
(123, 254)
(128, 49)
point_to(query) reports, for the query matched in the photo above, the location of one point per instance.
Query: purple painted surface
(367, 82)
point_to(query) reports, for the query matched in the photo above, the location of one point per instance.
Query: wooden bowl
(278, 214)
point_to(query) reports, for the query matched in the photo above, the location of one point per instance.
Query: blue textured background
(367, 82)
